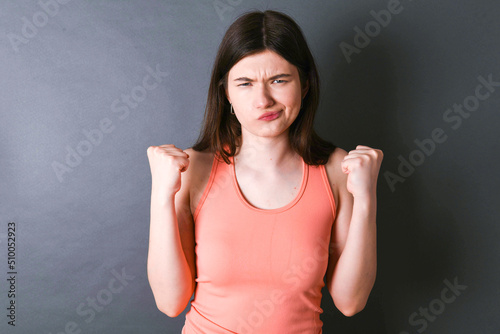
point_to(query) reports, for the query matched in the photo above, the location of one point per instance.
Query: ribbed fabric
(260, 271)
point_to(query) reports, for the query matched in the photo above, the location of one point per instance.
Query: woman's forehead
(265, 63)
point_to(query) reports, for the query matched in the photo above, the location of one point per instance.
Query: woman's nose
(263, 98)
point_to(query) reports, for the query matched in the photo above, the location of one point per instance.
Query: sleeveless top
(260, 270)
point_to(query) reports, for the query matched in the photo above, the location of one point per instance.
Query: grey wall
(75, 178)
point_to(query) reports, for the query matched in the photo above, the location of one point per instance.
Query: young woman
(254, 216)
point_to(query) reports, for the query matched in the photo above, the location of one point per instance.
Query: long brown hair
(252, 33)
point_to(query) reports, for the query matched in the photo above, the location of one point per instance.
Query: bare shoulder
(333, 166)
(197, 174)
(336, 157)
(337, 178)
(199, 159)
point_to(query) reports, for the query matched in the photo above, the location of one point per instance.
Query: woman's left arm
(352, 265)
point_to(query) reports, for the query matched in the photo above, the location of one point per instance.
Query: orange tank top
(258, 270)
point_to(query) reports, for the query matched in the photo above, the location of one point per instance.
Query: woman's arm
(171, 268)
(353, 258)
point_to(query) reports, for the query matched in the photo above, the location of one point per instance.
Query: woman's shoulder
(335, 159)
(199, 157)
(200, 163)
(198, 173)
(336, 177)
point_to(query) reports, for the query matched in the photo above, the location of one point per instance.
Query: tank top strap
(328, 188)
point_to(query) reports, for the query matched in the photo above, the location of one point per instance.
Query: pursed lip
(270, 115)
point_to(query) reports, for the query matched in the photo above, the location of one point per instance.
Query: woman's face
(266, 94)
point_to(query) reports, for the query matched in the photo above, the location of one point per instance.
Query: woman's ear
(227, 93)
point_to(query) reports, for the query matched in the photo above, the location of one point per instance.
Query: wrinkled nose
(263, 98)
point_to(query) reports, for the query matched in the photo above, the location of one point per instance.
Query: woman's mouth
(269, 116)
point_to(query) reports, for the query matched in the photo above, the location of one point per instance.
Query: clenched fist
(362, 166)
(167, 162)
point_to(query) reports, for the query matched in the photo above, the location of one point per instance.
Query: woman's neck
(265, 153)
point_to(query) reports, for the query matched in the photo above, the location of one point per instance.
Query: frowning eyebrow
(275, 77)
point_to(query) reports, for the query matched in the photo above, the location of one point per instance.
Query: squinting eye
(279, 81)
(244, 84)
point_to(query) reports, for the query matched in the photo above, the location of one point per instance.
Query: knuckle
(378, 154)
(169, 158)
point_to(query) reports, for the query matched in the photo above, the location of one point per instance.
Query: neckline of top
(303, 183)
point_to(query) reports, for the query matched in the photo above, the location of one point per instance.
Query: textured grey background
(68, 69)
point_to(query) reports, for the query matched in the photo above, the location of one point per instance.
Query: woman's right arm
(171, 268)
